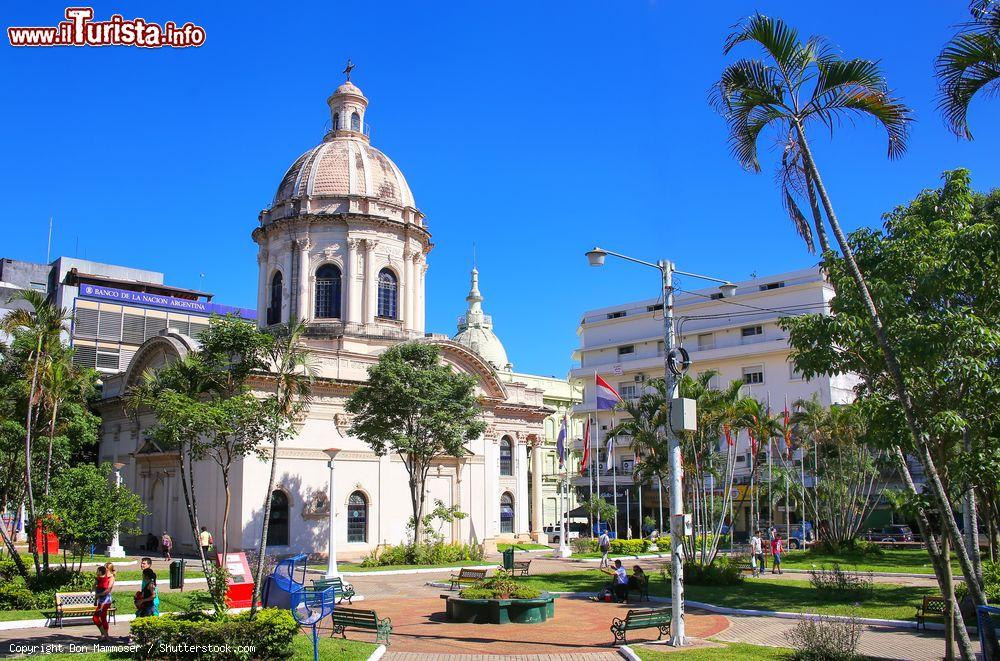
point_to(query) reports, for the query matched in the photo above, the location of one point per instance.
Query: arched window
(506, 512)
(274, 300)
(506, 456)
(387, 294)
(355, 121)
(277, 523)
(336, 121)
(328, 292)
(357, 518)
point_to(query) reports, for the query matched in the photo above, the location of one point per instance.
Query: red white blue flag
(607, 396)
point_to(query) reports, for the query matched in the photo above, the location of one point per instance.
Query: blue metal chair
(284, 580)
(310, 607)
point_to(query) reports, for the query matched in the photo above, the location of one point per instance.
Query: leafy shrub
(816, 638)
(724, 571)
(500, 585)
(991, 583)
(38, 591)
(629, 546)
(232, 637)
(839, 583)
(583, 545)
(426, 553)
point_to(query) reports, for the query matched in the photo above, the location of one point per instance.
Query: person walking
(103, 599)
(147, 600)
(167, 545)
(777, 548)
(756, 554)
(604, 544)
(619, 586)
(205, 540)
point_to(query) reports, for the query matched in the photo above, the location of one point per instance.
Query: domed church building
(345, 248)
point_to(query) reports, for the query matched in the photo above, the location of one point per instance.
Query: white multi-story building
(737, 337)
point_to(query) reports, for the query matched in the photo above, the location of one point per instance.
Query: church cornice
(303, 221)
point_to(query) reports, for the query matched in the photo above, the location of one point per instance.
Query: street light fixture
(596, 257)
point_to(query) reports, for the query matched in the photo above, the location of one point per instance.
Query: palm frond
(969, 64)
(780, 40)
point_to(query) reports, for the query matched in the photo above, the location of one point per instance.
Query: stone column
(537, 473)
(371, 281)
(287, 286)
(354, 294)
(521, 471)
(420, 271)
(302, 300)
(262, 286)
(408, 291)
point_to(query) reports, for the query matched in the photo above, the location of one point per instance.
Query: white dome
(475, 330)
(344, 166)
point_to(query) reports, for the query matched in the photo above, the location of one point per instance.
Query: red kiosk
(240, 593)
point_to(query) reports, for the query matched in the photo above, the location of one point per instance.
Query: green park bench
(342, 618)
(931, 607)
(646, 618)
(76, 604)
(341, 589)
(467, 575)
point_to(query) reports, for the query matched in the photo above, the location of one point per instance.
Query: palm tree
(969, 64)
(646, 429)
(43, 325)
(293, 372)
(799, 85)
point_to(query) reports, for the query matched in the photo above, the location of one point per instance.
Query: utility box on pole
(683, 415)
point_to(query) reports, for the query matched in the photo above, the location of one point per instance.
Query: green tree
(42, 326)
(419, 408)
(600, 509)
(292, 370)
(936, 270)
(86, 508)
(969, 65)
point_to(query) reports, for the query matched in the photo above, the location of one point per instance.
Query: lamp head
(728, 290)
(332, 453)
(596, 256)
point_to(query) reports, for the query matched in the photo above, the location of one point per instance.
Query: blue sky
(533, 129)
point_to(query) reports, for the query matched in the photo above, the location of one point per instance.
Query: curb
(626, 652)
(377, 654)
(644, 556)
(422, 570)
(887, 574)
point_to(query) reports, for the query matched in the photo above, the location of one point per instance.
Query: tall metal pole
(676, 492)
(331, 565)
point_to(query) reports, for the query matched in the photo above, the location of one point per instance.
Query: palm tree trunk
(28, 484)
(824, 242)
(259, 568)
(949, 605)
(14, 555)
(892, 364)
(52, 433)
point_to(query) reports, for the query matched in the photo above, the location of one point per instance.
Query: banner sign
(146, 299)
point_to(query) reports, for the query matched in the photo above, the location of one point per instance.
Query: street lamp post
(331, 566)
(116, 550)
(564, 551)
(667, 270)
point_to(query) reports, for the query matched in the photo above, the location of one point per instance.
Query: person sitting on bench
(619, 586)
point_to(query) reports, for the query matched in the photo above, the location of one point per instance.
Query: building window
(336, 121)
(506, 456)
(277, 522)
(616, 315)
(715, 296)
(753, 375)
(654, 308)
(626, 350)
(706, 341)
(357, 518)
(752, 334)
(355, 121)
(793, 373)
(387, 293)
(772, 285)
(328, 292)
(506, 512)
(627, 390)
(274, 300)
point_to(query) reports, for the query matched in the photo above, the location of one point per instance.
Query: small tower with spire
(347, 109)
(475, 329)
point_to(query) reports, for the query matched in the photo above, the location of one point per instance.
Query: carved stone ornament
(317, 505)
(341, 422)
(331, 250)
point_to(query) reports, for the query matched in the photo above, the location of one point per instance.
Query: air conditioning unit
(640, 378)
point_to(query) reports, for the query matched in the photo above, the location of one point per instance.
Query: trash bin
(177, 575)
(508, 559)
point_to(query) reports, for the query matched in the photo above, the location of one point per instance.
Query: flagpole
(770, 470)
(788, 449)
(590, 469)
(613, 460)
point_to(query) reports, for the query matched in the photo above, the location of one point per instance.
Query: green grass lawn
(530, 546)
(742, 651)
(169, 601)
(353, 566)
(904, 561)
(329, 648)
(889, 601)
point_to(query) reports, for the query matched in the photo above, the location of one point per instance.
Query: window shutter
(86, 323)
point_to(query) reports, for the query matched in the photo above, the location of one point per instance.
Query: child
(102, 591)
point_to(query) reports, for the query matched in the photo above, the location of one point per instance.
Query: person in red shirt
(102, 592)
(777, 548)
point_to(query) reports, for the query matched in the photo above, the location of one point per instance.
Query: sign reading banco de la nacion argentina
(146, 299)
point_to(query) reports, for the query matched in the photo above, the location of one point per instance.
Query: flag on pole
(609, 460)
(585, 462)
(561, 443)
(607, 396)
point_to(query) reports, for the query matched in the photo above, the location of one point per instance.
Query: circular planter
(500, 611)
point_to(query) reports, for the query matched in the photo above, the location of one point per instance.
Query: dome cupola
(475, 330)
